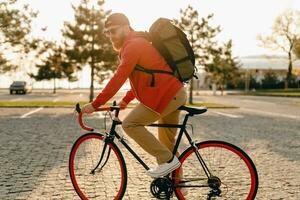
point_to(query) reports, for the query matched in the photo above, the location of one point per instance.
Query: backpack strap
(152, 72)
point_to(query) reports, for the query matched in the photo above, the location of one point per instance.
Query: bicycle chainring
(162, 188)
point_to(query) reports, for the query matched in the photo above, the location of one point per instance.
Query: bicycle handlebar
(80, 116)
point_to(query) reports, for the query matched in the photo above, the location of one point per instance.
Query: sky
(240, 20)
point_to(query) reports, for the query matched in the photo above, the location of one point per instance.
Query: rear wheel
(108, 182)
(233, 174)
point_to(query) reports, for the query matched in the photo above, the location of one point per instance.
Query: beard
(118, 42)
(117, 45)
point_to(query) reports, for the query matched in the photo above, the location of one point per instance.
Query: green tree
(296, 48)
(4, 64)
(223, 69)
(54, 66)
(15, 26)
(270, 80)
(200, 34)
(284, 37)
(86, 44)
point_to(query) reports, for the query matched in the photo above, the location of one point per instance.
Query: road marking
(18, 99)
(31, 112)
(272, 114)
(258, 101)
(227, 115)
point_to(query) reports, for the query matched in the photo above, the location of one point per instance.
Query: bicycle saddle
(193, 111)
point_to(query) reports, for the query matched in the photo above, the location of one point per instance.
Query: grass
(278, 94)
(283, 90)
(274, 92)
(70, 104)
(211, 105)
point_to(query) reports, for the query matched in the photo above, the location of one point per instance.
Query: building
(257, 66)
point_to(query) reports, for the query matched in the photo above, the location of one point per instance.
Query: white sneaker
(164, 168)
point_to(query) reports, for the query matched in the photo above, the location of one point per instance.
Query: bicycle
(209, 169)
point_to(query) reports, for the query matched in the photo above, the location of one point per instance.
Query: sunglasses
(111, 31)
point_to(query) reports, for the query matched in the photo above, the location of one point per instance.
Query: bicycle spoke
(106, 183)
(231, 176)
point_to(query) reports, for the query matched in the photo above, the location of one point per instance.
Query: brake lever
(77, 108)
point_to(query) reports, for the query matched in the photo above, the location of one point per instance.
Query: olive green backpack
(173, 45)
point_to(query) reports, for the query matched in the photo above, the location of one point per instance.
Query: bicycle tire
(243, 178)
(80, 170)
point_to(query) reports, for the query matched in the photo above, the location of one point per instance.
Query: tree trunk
(222, 89)
(289, 72)
(92, 67)
(54, 85)
(92, 61)
(214, 89)
(192, 80)
(191, 92)
(247, 81)
(92, 82)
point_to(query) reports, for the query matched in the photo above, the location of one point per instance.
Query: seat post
(182, 130)
(186, 119)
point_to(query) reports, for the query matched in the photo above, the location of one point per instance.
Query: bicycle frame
(112, 134)
(175, 180)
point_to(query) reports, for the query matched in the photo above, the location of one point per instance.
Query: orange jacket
(137, 50)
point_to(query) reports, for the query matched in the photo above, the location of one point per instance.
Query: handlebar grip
(80, 121)
(77, 108)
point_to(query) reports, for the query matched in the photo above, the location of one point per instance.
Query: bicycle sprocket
(162, 188)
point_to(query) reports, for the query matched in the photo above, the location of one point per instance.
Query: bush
(294, 82)
(254, 84)
(270, 81)
(241, 84)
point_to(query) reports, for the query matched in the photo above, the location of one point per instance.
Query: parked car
(20, 87)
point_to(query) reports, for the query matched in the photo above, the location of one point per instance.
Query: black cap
(116, 19)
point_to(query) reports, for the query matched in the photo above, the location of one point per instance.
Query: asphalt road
(35, 145)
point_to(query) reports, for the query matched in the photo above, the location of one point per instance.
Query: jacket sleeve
(129, 58)
(129, 96)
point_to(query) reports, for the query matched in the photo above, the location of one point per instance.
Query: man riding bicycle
(159, 97)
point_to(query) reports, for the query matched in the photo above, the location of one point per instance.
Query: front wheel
(233, 174)
(91, 179)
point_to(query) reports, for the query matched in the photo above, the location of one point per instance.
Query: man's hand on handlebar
(122, 104)
(88, 108)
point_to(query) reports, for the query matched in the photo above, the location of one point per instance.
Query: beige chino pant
(135, 122)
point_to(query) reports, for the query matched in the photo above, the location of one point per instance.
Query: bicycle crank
(162, 188)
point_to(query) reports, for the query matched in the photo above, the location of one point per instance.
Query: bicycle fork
(102, 156)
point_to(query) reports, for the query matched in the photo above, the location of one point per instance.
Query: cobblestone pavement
(34, 152)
